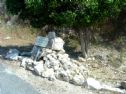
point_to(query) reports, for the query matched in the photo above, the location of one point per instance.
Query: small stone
(37, 62)
(74, 66)
(39, 68)
(78, 80)
(82, 68)
(54, 52)
(91, 82)
(23, 63)
(59, 55)
(91, 59)
(62, 75)
(65, 61)
(49, 51)
(54, 55)
(49, 56)
(55, 63)
(62, 51)
(65, 56)
(48, 64)
(56, 68)
(43, 54)
(74, 61)
(52, 59)
(26, 62)
(81, 59)
(77, 71)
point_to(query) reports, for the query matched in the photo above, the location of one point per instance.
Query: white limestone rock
(47, 64)
(91, 82)
(62, 75)
(49, 73)
(49, 56)
(49, 51)
(82, 68)
(55, 63)
(56, 67)
(23, 63)
(54, 55)
(81, 59)
(39, 68)
(26, 62)
(67, 66)
(65, 61)
(60, 56)
(57, 43)
(74, 61)
(78, 80)
(43, 54)
(37, 62)
(65, 56)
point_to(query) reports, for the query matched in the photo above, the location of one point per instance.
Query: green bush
(15, 6)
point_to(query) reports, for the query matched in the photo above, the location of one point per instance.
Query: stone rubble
(57, 65)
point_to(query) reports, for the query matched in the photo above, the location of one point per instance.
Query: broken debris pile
(49, 60)
(57, 65)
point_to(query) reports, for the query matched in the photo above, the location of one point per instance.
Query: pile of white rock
(57, 65)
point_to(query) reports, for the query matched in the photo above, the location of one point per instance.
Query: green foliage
(15, 6)
(69, 13)
(34, 5)
(64, 19)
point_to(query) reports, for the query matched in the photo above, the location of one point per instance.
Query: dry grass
(17, 35)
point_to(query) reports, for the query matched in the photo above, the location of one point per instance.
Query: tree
(82, 14)
(77, 14)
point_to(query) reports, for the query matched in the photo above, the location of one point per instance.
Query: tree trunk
(84, 39)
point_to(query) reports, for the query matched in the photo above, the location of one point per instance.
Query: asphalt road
(11, 84)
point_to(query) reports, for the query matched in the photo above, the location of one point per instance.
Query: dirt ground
(103, 68)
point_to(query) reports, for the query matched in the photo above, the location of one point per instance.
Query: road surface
(11, 84)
